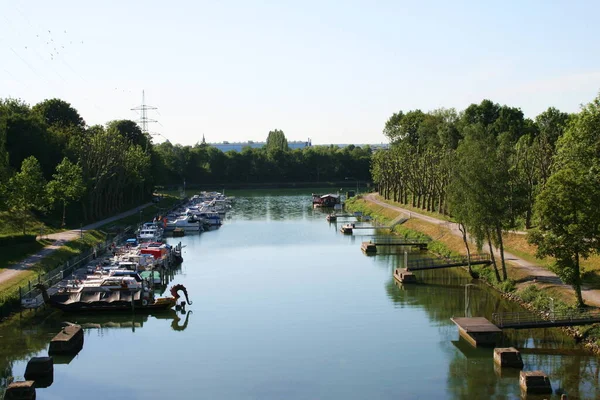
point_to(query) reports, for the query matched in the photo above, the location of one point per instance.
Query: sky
(331, 71)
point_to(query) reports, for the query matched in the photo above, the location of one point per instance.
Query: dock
(478, 330)
(529, 320)
(448, 262)
(371, 246)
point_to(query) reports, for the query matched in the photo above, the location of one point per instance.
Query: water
(286, 307)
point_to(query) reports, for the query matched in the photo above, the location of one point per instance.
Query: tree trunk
(501, 243)
(489, 239)
(64, 212)
(577, 282)
(463, 230)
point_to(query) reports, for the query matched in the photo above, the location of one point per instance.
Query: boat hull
(162, 304)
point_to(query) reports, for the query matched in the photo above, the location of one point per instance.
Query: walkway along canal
(286, 306)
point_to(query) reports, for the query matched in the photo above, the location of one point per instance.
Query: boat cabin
(326, 200)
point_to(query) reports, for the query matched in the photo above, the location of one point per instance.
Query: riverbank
(530, 285)
(61, 247)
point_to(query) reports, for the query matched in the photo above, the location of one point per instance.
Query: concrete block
(24, 390)
(535, 382)
(508, 357)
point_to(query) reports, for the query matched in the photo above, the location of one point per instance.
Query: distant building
(238, 146)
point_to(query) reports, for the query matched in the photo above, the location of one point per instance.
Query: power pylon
(143, 110)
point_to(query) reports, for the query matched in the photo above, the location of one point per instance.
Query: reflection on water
(285, 306)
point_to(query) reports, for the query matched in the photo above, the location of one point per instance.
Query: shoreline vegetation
(531, 295)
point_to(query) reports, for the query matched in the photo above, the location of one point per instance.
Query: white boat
(187, 223)
(150, 232)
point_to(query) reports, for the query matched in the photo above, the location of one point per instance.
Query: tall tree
(58, 112)
(276, 141)
(28, 190)
(567, 207)
(67, 185)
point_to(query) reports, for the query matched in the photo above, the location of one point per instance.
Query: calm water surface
(286, 307)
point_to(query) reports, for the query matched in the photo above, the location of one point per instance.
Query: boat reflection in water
(179, 320)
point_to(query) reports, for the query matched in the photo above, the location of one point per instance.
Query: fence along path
(29, 297)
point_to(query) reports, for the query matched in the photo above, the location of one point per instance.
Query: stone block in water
(24, 390)
(40, 370)
(68, 341)
(508, 357)
(535, 382)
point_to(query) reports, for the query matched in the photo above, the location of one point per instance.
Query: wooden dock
(477, 330)
(447, 262)
(370, 247)
(529, 320)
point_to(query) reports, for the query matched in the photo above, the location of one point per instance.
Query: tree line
(493, 170)
(53, 163)
(274, 163)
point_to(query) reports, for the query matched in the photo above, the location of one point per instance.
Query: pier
(447, 262)
(480, 331)
(371, 245)
(349, 228)
(527, 320)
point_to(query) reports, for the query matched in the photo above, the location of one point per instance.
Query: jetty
(478, 331)
(349, 228)
(481, 332)
(447, 262)
(371, 246)
(527, 320)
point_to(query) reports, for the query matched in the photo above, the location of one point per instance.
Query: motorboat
(117, 300)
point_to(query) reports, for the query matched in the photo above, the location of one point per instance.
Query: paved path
(60, 239)
(590, 296)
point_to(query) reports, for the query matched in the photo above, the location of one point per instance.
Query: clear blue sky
(332, 71)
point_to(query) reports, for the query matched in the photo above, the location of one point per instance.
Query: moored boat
(120, 300)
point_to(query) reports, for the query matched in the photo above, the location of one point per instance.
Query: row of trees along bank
(494, 170)
(53, 163)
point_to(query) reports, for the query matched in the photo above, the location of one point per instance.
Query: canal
(286, 307)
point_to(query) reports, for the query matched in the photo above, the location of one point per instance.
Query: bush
(11, 240)
(507, 286)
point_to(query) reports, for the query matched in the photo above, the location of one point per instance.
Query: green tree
(67, 185)
(276, 141)
(27, 190)
(58, 112)
(567, 207)
(130, 131)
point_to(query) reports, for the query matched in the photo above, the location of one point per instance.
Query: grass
(13, 254)
(433, 214)
(9, 225)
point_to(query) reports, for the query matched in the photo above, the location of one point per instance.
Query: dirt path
(590, 296)
(60, 239)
